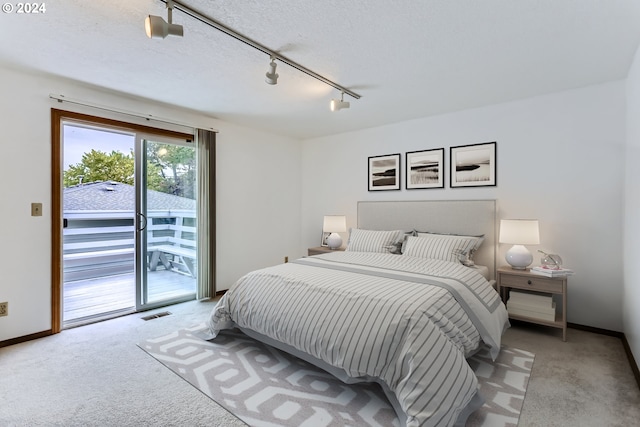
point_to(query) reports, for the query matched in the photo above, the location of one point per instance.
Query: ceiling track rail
(258, 46)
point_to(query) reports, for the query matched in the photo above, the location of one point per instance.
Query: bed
(408, 301)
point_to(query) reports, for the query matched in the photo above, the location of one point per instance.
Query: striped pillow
(465, 257)
(444, 247)
(372, 240)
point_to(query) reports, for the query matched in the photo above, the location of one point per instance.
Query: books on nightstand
(562, 272)
(532, 305)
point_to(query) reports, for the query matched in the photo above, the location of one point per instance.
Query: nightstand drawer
(541, 284)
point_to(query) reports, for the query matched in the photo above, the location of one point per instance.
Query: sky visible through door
(78, 140)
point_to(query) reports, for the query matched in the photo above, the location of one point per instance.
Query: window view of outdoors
(99, 210)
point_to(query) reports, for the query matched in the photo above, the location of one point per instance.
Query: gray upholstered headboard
(470, 217)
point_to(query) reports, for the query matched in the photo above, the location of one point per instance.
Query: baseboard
(625, 344)
(595, 330)
(18, 340)
(632, 360)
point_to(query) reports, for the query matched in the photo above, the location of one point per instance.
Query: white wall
(258, 213)
(631, 314)
(258, 192)
(560, 160)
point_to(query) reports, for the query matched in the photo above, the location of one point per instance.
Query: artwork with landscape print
(425, 169)
(384, 172)
(473, 165)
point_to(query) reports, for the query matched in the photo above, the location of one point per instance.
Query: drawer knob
(528, 282)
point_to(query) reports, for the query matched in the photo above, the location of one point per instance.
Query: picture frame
(473, 165)
(323, 241)
(424, 169)
(384, 172)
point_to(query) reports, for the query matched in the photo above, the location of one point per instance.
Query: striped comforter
(406, 322)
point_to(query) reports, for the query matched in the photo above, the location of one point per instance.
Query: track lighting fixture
(158, 28)
(339, 105)
(271, 75)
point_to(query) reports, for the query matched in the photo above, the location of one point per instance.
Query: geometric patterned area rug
(503, 385)
(264, 386)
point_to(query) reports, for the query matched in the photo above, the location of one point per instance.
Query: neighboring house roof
(115, 196)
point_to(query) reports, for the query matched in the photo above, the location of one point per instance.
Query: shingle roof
(110, 196)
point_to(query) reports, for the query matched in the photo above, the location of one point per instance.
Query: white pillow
(372, 240)
(443, 247)
(478, 238)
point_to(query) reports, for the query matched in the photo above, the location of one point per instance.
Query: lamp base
(519, 257)
(334, 241)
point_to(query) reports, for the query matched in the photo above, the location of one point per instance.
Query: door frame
(57, 117)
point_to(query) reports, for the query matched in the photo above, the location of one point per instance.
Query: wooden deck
(103, 297)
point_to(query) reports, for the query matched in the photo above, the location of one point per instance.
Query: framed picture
(323, 241)
(473, 165)
(425, 169)
(384, 172)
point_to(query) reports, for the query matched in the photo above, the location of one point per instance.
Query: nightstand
(509, 278)
(322, 250)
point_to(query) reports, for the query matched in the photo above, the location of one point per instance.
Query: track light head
(158, 28)
(271, 77)
(337, 105)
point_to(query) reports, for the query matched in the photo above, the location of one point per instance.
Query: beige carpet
(97, 376)
(263, 386)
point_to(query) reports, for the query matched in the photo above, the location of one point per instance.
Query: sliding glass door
(129, 229)
(98, 204)
(166, 223)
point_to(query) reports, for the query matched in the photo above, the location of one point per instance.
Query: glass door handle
(140, 218)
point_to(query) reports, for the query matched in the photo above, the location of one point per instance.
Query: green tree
(100, 166)
(170, 169)
(176, 165)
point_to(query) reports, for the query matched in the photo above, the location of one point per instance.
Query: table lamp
(519, 232)
(334, 224)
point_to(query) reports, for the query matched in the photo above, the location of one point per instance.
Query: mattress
(407, 323)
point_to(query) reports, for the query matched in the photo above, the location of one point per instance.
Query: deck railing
(102, 243)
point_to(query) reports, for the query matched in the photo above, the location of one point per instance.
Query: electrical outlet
(4, 308)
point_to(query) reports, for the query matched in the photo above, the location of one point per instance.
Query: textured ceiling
(407, 59)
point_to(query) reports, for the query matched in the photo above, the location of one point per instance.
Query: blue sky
(79, 140)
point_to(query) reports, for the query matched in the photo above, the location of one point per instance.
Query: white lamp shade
(334, 224)
(519, 231)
